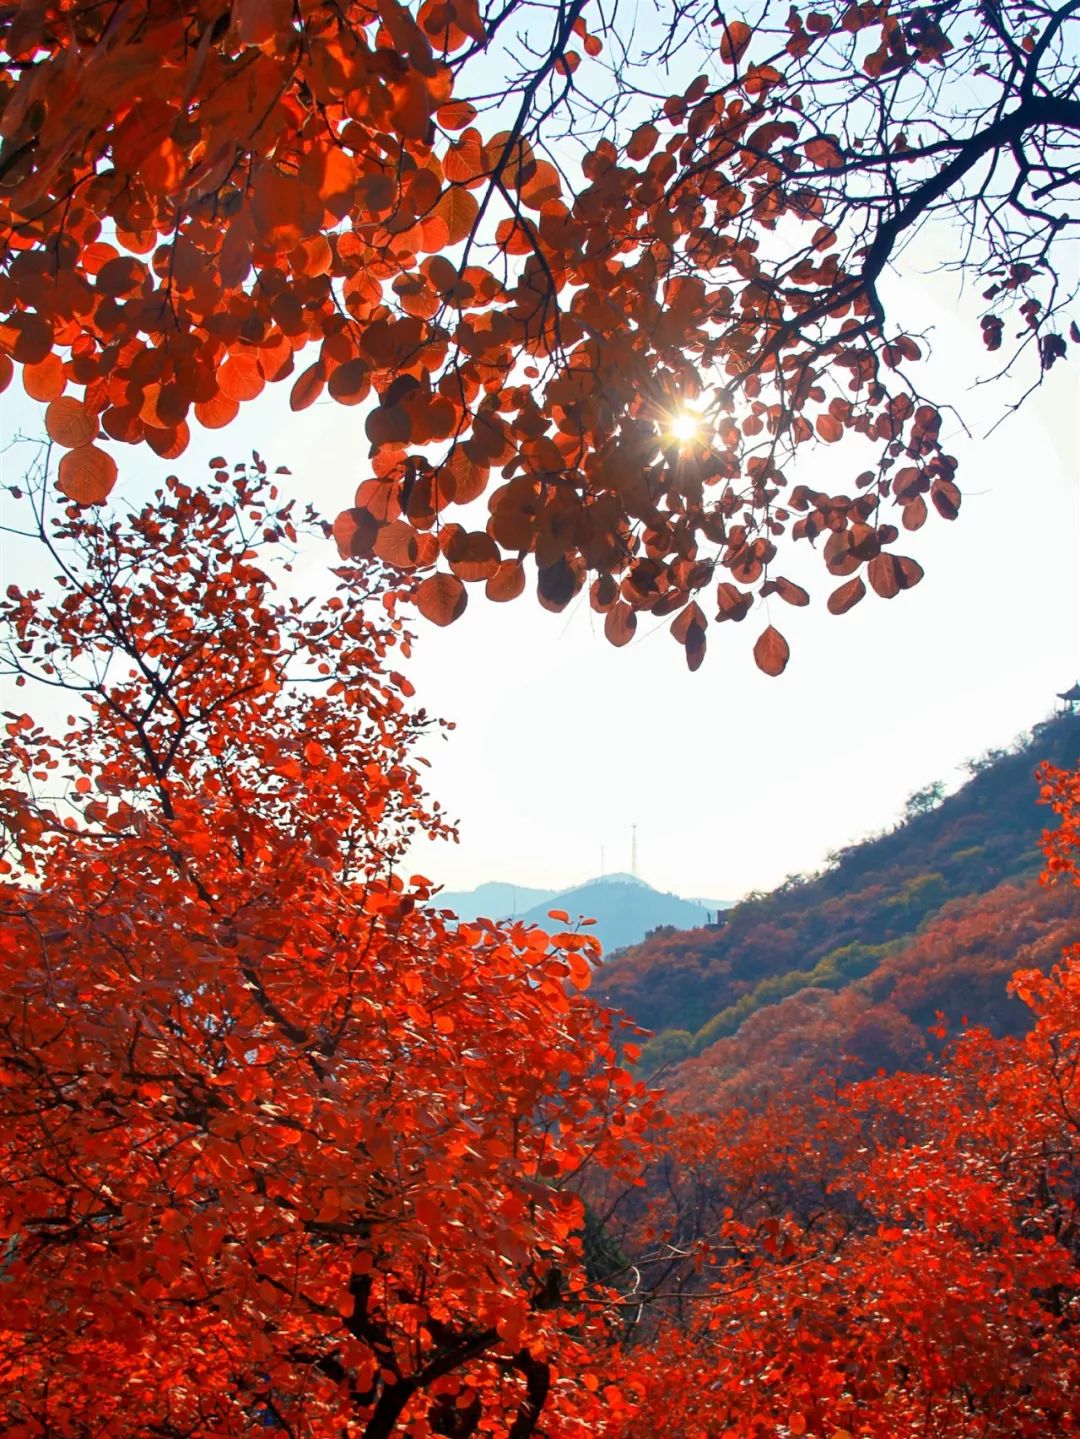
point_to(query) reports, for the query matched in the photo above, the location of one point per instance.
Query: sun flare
(685, 426)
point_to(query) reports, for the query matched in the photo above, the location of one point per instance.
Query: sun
(683, 426)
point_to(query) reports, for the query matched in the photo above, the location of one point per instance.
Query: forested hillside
(949, 893)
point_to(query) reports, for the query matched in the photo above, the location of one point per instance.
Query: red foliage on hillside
(899, 1256)
(955, 972)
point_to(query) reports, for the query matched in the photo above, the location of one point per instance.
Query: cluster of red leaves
(279, 1145)
(192, 196)
(899, 1258)
(1061, 791)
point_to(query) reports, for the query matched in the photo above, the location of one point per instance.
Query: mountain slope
(833, 929)
(954, 973)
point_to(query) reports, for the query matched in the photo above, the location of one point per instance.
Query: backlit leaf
(442, 599)
(771, 652)
(846, 595)
(69, 423)
(86, 474)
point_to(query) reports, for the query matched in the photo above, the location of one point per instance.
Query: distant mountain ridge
(624, 907)
(494, 900)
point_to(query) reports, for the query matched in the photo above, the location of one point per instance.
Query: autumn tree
(281, 1146)
(619, 314)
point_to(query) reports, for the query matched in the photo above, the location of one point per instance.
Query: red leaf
(69, 423)
(686, 618)
(946, 498)
(771, 652)
(733, 42)
(734, 603)
(307, 388)
(507, 582)
(889, 574)
(842, 599)
(86, 475)
(620, 622)
(442, 599)
(694, 645)
(791, 593)
(642, 142)
(355, 532)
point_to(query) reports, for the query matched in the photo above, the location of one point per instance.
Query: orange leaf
(45, 380)
(824, 153)
(733, 42)
(86, 475)
(240, 376)
(218, 412)
(456, 114)
(642, 142)
(442, 599)
(458, 210)
(69, 423)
